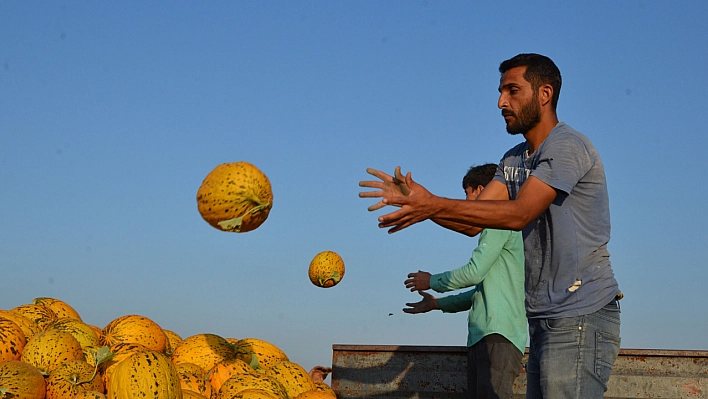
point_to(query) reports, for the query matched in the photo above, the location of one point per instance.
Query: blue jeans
(573, 357)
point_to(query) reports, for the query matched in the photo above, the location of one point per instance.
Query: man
(552, 186)
(497, 334)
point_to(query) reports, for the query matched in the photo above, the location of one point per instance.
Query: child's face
(473, 193)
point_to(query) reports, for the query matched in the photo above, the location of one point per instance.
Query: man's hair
(479, 176)
(540, 70)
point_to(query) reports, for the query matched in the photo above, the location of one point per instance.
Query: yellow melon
(12, 340)
(193, 377)
(28, 326)
(323, 387)
(258, 353)
(225, 369)
(72, 377)
(80, 330)
(21, 380)
(204, 350)
(60, 308)
(90, 395)
(326, 269)
(240, 382)
(235, 197)
(118, 352)
(49, 349)
(315, 395)
(294, 377)
(173, 340)
(135, 329)
(98, 330)
(41, 315)
(187, 394)
(253, 393)
(145, 374)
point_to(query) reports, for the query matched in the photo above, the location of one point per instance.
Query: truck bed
(372, 371)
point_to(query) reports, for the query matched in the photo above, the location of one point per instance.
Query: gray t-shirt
(568, 270)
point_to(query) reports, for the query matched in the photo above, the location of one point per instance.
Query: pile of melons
(48, 352)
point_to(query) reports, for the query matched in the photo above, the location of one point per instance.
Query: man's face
(518, 102)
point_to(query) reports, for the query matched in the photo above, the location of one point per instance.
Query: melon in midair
(235, 197)
(326, 269)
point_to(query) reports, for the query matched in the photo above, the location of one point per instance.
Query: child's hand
(426, 304)
(419, 281)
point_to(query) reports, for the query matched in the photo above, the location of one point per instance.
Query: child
(497, 320)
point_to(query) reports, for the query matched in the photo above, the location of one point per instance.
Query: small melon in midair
(326, 269)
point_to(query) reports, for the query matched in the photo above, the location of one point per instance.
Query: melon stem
(235, 223)
(99, 356)
(335, 277)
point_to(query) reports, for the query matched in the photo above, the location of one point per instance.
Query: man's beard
(528, 117)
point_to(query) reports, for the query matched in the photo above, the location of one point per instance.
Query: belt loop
(619, 297)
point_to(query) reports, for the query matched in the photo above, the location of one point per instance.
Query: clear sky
(112, 113)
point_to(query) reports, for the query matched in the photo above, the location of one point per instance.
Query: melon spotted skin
(326, 269)
(293, 377)
(135, 329)
(315, 394)
(193, 378)
(241, 382)
(205, 350)
(255, 393)
(322, 386)
(41, 315)
(258, 353)
(12, 340)
(62, 382)
(21, 380)
(90, 395)
(59, 307)
(235, 197)
(148, 374)
(49, 349)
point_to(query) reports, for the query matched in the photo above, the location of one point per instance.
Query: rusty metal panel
(440, 372)
(659, 374)
(399, 371)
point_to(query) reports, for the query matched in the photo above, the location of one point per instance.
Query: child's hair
(479, 176)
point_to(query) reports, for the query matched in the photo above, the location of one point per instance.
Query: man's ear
(545, 94)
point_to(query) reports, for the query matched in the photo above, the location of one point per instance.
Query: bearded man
(552, 187)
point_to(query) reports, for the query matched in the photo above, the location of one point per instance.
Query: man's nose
(502, 102)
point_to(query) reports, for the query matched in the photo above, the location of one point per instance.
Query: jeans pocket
(607, 347)
(565, 332)
(610, 312)
(564, 324)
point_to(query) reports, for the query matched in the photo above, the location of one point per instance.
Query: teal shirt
(496, 303)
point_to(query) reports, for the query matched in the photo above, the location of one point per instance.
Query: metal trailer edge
(389, 371)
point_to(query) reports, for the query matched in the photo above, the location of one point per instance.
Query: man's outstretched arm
(534, 197)
(393, 186)
(493, 191)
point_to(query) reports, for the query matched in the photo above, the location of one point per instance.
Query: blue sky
(112, 113)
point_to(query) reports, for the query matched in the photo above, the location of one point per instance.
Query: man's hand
(416, 207)
(418, 281)
(415, 201)
(426, 304)
(388, 187)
